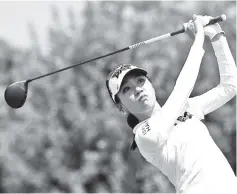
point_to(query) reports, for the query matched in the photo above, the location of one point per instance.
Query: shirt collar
(137, 126)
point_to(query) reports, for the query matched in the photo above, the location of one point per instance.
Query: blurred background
(69, 137)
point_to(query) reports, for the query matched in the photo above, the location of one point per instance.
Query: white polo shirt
(186, 153)
(189, 157)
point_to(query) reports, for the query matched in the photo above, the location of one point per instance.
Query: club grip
(217, 19)
(212, 21)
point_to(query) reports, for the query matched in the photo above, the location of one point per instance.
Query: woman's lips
(142, 98)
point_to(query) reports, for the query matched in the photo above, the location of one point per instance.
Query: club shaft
(214, 20)
(112, 53)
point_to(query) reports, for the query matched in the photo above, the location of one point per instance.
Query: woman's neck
(145, 115)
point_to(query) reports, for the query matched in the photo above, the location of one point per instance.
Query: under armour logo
(145, 128)
(184, 118)
(119, 70)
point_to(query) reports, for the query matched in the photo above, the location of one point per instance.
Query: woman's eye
(141, 80)
(125, 89)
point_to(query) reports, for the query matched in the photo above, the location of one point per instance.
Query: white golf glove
(212, 30)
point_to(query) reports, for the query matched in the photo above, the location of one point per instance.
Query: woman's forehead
(130, 76)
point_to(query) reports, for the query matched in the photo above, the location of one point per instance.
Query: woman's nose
(138, 90)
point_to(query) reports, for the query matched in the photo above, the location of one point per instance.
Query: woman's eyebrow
(123, 84)
(125, 81)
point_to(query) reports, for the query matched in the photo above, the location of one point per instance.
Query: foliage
(69, 137)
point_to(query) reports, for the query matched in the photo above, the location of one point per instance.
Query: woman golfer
(172, 137)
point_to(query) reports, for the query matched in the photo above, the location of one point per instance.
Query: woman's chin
(145, 103)
(145, 106)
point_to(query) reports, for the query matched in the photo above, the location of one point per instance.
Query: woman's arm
(184, 84)
(227, 89)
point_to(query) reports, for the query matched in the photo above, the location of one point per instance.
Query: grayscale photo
(118, 97)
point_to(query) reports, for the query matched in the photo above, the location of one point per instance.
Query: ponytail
(132, 122)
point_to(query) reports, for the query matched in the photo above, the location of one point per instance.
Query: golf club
(16, 93)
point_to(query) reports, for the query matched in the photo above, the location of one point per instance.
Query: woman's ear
(123, 109)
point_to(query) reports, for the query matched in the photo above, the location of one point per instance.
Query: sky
(15, 16)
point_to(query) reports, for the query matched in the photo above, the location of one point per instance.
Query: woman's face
(136, 93)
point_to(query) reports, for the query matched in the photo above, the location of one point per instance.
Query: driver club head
(16, 94)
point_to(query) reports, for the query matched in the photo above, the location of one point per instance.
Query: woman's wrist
(218, 36)
(199, 39)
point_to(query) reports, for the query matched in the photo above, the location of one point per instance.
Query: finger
(192, 27)
(194, 16)
(206, 20)
(191, 24)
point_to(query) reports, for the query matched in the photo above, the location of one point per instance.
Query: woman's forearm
(189, 72)
(226, 63)
(226, 90)
(183, 87)
(199, 39)
(184, 84)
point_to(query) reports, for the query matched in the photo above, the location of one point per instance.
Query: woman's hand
(196, 25)
(214, 31)
(211, 31)
(199, 22)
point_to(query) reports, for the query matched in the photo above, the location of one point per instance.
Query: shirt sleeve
(147, 141)
(177, 101)
(152, 134)
(195, 109)
(223, 92)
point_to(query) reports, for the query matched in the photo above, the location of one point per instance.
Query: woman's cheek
(131, 98)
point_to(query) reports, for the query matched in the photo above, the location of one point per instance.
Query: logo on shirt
(186, 116)
(145, 128)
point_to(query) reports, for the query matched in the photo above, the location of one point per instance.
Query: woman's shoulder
(147, 137)
(146, 124)
(139, 126)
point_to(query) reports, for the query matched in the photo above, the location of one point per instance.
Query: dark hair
(132, 121)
